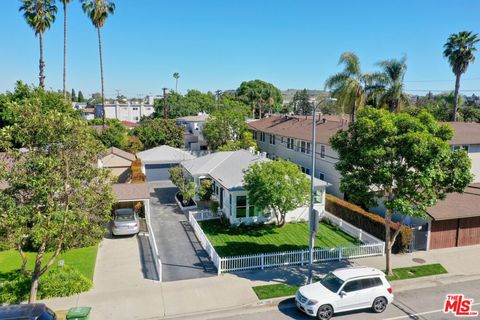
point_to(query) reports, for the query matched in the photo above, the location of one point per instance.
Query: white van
(345, 289)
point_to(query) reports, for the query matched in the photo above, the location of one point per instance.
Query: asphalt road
(421, 304)
(182, 255)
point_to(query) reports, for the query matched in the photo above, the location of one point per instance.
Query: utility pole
(218, 94)
(165, 106)
(118, 94)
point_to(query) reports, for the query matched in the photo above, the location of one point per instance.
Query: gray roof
(164, 154)
(227, 167)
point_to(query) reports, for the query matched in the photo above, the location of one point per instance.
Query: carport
(157, 161)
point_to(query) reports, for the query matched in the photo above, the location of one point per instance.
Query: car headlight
(312, 302)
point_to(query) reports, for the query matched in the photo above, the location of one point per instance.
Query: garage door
(469, 231)
(158, 172)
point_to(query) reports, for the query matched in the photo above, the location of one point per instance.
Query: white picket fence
(374, 247)
(205, 214)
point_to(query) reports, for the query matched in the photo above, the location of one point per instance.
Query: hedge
(137, 175)
(367, 221)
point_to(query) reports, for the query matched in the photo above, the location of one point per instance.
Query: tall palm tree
(459, 50)
(98, 11)
(39, 14)
(391, 79)
(65, 3)
(347, 85)
(176, 75)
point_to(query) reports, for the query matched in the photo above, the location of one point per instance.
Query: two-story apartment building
(194, 139)
(454, 221)
(124, 112)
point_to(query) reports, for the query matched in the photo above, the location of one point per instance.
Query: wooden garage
(456, 220)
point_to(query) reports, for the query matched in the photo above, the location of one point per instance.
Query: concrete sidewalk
(121, 291)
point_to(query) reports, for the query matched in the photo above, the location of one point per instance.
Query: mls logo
(459, 306)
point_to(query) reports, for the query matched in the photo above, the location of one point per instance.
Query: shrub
(214, 205)
(205, 190)
(136, 166)
(57, 282)
(367, 221)
(138, 177)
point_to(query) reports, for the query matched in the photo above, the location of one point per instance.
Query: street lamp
(313, 215)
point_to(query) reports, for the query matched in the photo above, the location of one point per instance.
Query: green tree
(114, 135)
(155, 132)
(134, 145)
(39, 15)
(391, 81)
(80, 96)
(259, 93)
(224, 126)
(65, 4)
(185, 186)
(348, 85)
(56, 198)
(176, 76)
(459, 50)
(279, 186)
(205, 190)
(301, 102)
(402, 160)
(245, 142)
(73, 96)
(98, 11)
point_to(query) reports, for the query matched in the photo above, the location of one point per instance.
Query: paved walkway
(182, 255)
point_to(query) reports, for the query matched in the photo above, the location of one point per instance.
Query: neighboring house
(157, 161)
(226, 170)
(124, 112)
(289, 137)
(119, 162)
(194, 139)
(87, 113)
(130, 125)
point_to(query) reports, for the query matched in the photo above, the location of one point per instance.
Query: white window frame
(323, 150)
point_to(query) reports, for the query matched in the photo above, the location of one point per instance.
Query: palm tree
(39, 14)
(98, 12)
(65, 4)
(391, 81)
(459, 50)
(176, 75)
(347, 85)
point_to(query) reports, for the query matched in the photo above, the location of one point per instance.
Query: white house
(125, 112)
(194, 139)
(226, 170)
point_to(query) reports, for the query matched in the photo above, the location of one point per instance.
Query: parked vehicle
(345, 289)
(37, 311)
(125, 222)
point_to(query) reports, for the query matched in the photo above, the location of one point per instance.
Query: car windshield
(124, 215)
(331, 282)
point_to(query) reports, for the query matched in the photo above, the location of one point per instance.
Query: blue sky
(216, 44)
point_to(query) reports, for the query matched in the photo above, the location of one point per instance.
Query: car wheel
(379, 305)
(325, 312)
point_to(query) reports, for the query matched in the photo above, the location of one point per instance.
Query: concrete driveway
(182, 255)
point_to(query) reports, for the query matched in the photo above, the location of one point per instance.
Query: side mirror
(342, 293)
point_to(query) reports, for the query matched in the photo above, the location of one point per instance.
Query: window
(308, 147)
(298, 146)
(272, 139)
(281, 139)
(331, 282)
(459, 147)
(371, 282)
(262, 136)
(241, 206)
(353, 285)
(255, 135)
(321, 176)
(302, 147)
(305, 170)
(290, 143)
(322, 151)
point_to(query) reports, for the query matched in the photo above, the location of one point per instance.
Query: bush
(138, 177)
(214, 205)
(57, 282)
(367, 221)
(205, 190)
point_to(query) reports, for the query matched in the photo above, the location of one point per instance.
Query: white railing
(350, 229)
(153, 245)
(299, 257)
(205, 214)
(205, 242)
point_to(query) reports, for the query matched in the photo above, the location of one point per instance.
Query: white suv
(344, 290)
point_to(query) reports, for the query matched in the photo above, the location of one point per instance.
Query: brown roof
(130, 124)
(131, 191)
(458, 205)
(465, 133)
(122, 154)
(300, 127)
(88, 110)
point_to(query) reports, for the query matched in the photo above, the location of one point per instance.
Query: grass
(417, 271)
(82, 259)
(270, 238)
(270, 291)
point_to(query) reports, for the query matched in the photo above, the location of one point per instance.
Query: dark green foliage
(185, 186)
(73, 96)
(224, 126)
(155, 132)
(205, 190)
(58, 282)
(80, 96)
(301, 103)
(114, 135)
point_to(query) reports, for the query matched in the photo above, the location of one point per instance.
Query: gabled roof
(121, 153)
(164, 154)
(458, 205)
(227, 167)
(465, 133)
(131, 191)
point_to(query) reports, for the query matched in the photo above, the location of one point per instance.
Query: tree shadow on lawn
(14, 287)
(214, 228)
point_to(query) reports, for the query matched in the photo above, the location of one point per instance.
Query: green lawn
(417, 271)
(82, 259)
(270, 291)
(270, 238)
